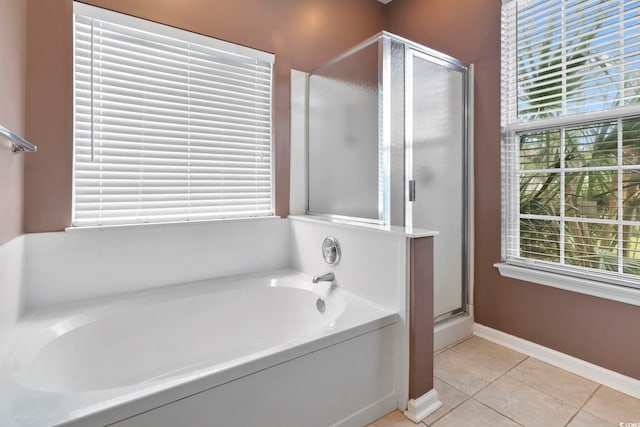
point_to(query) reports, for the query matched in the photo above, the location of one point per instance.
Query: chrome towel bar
(18, 144)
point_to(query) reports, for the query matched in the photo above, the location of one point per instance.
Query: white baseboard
(609, 378)
(370, 413)
(420, 408)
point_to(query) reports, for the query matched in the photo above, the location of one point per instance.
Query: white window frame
(230, 50)
(594, 283)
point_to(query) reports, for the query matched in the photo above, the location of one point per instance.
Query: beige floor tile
(450, 398)
(525, 404)
(554, 381)
(474, 414)
(486, 352)
(468, 375)
(613, 406)
(585, 419)
(394, 419)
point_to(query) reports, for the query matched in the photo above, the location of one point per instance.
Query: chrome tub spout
(326, 277)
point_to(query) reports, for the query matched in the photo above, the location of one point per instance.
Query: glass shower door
(436, 170)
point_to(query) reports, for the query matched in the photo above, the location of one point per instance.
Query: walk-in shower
(389, 143)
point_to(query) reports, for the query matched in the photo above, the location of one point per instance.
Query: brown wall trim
(12, 45)
(421, 317)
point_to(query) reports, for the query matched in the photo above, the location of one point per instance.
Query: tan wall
(600, 331)
(12, 40)
(303, 34)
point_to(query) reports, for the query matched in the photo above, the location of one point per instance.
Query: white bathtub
(108, 361)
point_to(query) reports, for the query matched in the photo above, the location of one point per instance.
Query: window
(571, 137)
(168, 125)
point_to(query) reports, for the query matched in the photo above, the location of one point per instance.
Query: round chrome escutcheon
(331, 250)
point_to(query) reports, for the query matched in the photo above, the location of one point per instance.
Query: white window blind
(169, 125)
(571, 137)
(569, 57)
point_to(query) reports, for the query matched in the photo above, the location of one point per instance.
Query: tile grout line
(497, 412)
(487, 385)
(443, 415)
(585, 404)
(547, 394)
(451, 385)
(471, 397)
(580, 407)
(577, 408)
(494, 381)
(451, 409)
(502, 375)
(451, 346)
(564, 402)
(446, 413)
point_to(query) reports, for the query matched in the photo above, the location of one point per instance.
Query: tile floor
(482, 384)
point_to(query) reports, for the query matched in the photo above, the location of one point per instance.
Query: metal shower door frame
(412, 51)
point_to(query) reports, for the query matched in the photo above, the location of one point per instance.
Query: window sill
(569, 283)
(142, 225)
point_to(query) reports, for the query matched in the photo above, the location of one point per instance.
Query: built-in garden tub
(264, 349)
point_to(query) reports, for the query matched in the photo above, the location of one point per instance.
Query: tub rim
(120, 403)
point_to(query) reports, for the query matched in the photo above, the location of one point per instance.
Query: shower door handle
(412, 190)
